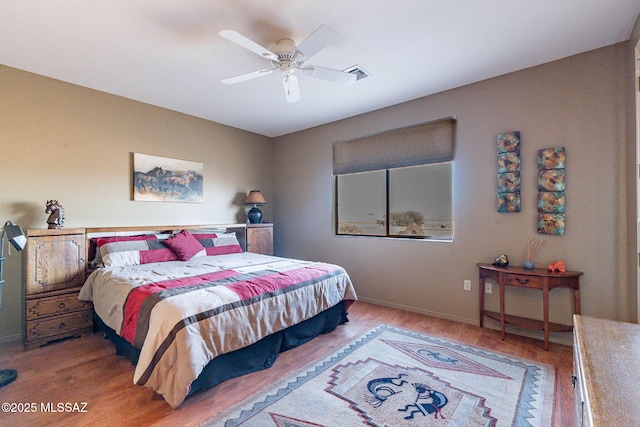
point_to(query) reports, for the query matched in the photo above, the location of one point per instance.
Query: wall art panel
(551, 188)
(508, 145)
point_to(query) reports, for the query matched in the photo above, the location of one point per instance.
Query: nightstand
(54, 271)
(260, 238)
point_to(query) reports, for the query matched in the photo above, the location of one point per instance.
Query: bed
(192, 308)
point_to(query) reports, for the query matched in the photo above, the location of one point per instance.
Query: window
(396, 184)
(362, 203)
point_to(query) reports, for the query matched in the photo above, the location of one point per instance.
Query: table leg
(576, 300)
(481, 300)
(502, 313)
(545, 309)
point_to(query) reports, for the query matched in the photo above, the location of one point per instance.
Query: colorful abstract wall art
(551, 188)
(509, 172)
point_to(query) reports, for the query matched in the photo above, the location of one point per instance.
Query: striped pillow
(133, 250)
(219, 243)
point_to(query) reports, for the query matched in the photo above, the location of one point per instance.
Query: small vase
(528, 264)
(254, 215)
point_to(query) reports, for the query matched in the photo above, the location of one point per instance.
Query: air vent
(358, 71)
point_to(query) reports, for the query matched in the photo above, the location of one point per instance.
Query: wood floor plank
(86, 370)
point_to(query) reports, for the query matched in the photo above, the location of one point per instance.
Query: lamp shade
(15, 235)
(255, 198)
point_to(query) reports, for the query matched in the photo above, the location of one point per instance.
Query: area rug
(394, 377)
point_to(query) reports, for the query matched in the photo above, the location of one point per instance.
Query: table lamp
(255, 199)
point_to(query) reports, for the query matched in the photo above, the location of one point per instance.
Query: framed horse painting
(161, 179)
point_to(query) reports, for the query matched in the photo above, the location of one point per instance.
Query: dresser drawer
(51, 306)
(524, 280)
(61, 326)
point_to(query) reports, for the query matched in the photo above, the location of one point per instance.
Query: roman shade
(422, 144)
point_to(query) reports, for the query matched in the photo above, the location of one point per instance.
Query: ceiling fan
(289, 58)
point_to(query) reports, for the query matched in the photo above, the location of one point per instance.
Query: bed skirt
(258, 356)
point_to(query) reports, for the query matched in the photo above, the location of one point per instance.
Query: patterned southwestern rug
(394, 377)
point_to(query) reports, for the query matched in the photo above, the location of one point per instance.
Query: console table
(535, 278)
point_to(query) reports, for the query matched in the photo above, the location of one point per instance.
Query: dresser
(606, 372)
(260, 238)
(534, 278)
(54, 271)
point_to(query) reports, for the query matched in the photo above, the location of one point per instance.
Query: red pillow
(184, 245)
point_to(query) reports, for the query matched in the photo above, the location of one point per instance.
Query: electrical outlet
(467, 285)
(488, 289)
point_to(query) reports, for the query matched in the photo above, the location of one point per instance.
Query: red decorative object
(558, 266)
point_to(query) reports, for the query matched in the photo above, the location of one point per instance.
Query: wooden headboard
(93, 232)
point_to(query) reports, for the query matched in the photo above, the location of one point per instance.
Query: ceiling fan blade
(291, 88)
(248, 76)
(329, 74)
(248, 44)
(316, 41)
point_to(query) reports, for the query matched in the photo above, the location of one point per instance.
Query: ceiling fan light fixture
(285, 45)
(291, 88)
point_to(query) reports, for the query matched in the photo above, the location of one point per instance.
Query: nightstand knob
(62, 325)
(61, 305)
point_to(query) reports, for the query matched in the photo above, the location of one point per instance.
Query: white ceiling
(168, 53)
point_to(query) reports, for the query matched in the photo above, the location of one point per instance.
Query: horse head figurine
(56, 217)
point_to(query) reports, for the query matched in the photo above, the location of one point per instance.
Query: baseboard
(418, 310)
(564, 338)
(10, 338)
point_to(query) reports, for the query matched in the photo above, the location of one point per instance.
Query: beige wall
(74, 144)
(579, 103)
(64, 142)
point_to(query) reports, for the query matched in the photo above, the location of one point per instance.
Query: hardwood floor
(86, 370)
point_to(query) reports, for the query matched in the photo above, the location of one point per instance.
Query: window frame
(388, 235)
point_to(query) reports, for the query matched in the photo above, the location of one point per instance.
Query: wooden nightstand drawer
(524, 280)
(51, 306)
(59, 326)
(260, 238)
